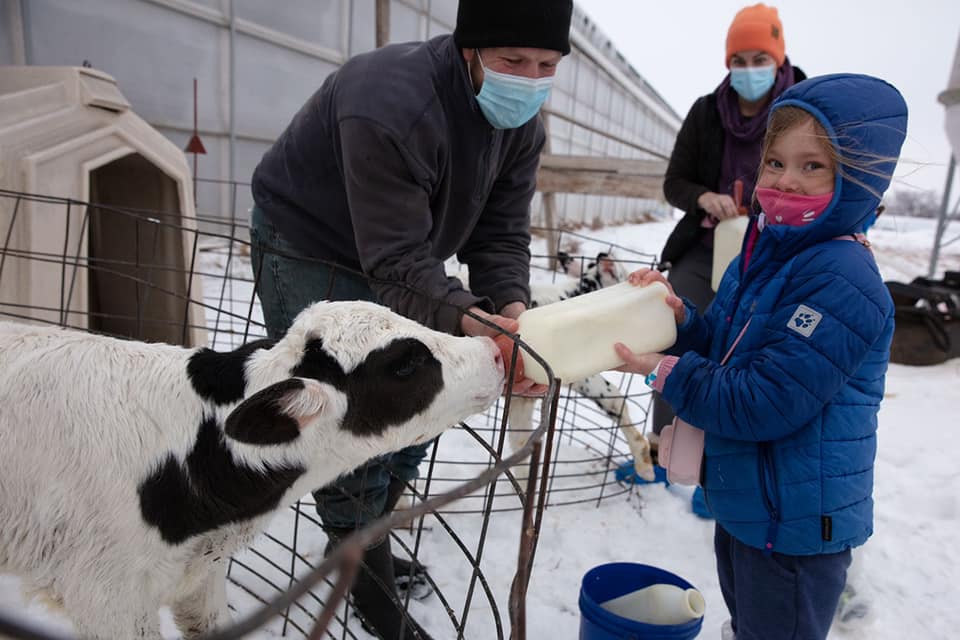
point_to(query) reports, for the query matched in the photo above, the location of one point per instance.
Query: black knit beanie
(542, 24)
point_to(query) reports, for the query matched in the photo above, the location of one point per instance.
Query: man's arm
(387, 192)
(498, 251)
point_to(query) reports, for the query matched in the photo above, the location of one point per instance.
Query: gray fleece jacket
(390, 168)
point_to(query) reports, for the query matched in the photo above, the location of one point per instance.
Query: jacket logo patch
(804, 320)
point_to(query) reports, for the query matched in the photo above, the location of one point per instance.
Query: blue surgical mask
(509, 101)
(752, 83)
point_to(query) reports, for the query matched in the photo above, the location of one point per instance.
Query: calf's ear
(276, 415)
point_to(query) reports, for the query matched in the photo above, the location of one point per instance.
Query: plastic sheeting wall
(281, 52)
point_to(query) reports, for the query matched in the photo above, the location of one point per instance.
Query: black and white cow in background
(597, 274)
(604, 271)
(130, 472)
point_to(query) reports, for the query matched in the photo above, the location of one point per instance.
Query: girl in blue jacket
(790, 420)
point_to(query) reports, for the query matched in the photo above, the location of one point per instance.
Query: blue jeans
(772, 596)
(286, 285)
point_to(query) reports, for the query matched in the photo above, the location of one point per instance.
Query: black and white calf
(130, 472)
(602, 272)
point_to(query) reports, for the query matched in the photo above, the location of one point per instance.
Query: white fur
(85, 419)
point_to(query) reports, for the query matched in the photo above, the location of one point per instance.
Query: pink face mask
(791, 209)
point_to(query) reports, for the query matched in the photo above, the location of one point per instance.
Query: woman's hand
(642, 363)
(644, 277)
(719, 205)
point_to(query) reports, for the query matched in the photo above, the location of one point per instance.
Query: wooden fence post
(383, 22)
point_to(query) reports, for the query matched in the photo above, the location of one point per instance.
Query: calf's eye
(406, 368)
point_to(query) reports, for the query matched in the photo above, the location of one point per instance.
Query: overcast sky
(678, 47)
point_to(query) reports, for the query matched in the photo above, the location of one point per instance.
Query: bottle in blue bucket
(629, 601)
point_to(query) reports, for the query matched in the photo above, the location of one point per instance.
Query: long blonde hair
(844, 154)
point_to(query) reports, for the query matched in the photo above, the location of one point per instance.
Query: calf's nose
(495, 351)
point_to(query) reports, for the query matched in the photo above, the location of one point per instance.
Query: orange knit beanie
(757, 27)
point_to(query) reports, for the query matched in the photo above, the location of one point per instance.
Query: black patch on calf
(392, 385)
(219, 377)
(320, 365)
(259, 420)
(209, 489)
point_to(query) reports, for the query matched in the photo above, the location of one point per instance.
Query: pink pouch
(681, 452)
(681, 444)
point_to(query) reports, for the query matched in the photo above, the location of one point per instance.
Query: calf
(602, 272)
(130, 472)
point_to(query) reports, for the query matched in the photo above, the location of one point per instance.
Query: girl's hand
(642, 363)
(644, 277)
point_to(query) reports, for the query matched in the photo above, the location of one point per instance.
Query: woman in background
(719, 143)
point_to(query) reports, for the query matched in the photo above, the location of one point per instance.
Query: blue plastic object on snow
(609, 581)
(699, 504)
(627, 473)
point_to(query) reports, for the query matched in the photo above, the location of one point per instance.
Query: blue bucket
(609, 581)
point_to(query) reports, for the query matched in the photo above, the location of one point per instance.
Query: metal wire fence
(154, 276)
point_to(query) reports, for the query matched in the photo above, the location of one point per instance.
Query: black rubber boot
(375, 598)
(394, 491)
(410, 575)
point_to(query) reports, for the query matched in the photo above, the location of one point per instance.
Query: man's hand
(472, 327)
(513, 309)
(522, 386)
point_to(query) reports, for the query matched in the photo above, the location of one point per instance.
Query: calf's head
(602, 272)
(355, 379)
(349, 381)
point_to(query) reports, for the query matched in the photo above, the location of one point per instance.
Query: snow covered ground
(907, 573)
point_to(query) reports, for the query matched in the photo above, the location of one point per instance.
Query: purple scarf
(744, 136)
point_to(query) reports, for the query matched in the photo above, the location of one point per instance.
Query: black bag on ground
(927, 320)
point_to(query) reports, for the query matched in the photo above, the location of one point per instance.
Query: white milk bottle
(575, 336)
(727, 240)
(663, 604)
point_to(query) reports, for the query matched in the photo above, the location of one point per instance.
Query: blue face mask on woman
(509, 101)
(752, 83)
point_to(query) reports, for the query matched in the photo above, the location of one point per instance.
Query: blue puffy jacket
(791, 419)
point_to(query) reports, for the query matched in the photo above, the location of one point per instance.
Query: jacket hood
(866, 119)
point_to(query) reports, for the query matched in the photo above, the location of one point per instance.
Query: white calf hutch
(122, 267)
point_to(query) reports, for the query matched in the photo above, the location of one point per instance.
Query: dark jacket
(791, 419)
(694, 169)
(391, 168)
